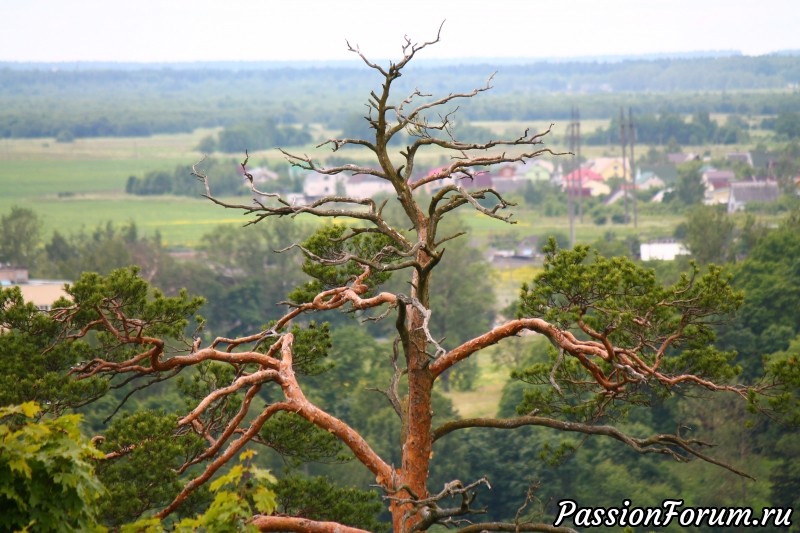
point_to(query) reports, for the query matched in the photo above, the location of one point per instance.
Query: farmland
(81, 184)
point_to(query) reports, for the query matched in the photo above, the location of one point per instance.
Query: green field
(81, 185)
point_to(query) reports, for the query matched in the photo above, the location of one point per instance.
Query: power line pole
(623, 142)
(570, 182)
(578, 157)
(632, 138)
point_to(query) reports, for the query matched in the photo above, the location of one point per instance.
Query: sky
(250, 30)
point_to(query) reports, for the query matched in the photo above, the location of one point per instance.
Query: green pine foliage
(144, 477)
(34, 364)
(622, 301)
(238, 495)
(318, 498)
(334, 269)
(47, 480)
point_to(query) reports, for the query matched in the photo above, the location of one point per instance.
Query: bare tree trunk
(417, 445)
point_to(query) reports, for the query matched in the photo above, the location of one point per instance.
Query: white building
(317, 185)
(661, 250)
(40, 292)
(366, 186)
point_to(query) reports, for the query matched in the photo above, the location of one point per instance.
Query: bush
(65, 136)
(47, 482)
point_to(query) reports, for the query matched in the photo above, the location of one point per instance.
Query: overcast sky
(249, 30)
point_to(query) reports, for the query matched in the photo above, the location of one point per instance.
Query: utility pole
(567, 181)
(576, 183)
(632, 137)
(623, 142)
(578, 157)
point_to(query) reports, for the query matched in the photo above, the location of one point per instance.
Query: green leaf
(247, 454)
(265, 501)
(49, 477)
(231, 478)
(146, 525)
(19, 464)
(30, 409)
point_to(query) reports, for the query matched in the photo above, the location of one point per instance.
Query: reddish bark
(301, 525)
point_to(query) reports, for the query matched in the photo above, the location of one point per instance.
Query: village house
(587, 181)
(718, 186)
(648, 180)
(506, 180)
(665, 172)
(40, 292)
(745, 192)
(618, 195)
(741, 157)
(481, 180)
(366, 186)
(764, 164)
(316, 185)
(609, 167)
(678, 158)
(536, 170)
(10, 275)
(662, 250)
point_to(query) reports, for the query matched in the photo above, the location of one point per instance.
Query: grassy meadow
(81, 184)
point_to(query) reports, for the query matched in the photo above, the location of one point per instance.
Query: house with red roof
(587, 181)
(718, 185)
(479, 180)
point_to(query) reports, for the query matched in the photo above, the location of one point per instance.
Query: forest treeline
(90, 101)
(234, 270)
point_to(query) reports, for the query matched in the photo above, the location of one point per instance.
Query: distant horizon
(422, 62)
(190, 31)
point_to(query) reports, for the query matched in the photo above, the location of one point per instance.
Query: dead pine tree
(612, 325)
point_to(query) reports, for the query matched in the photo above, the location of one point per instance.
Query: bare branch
(222, 459)
(426, 314)
(300, 525)
(357, 50)
(348, 257)
(430, 511)
(200, 176)
(230, 429)
(413, 117)
(295, 402)
(391, 392)
(662, 444)
(470, 197)
(136, 389)
(306, 163)
(338, 143)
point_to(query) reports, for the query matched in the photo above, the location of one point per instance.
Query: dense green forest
(89, 100)
(235, 270)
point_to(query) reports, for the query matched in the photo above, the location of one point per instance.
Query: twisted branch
(661, 444)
